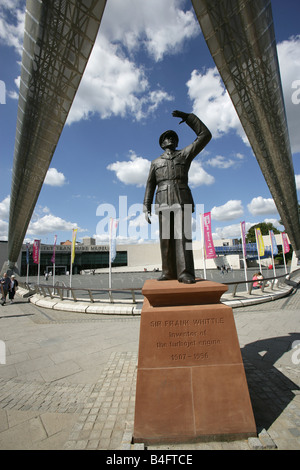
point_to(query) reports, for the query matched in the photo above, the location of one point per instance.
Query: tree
(264, 228)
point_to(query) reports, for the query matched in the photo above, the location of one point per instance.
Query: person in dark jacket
(5, 283)
(12, 288)
(174, 203)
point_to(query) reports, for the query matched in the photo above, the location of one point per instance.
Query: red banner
(36, 251)
(285, 243)
(208, 240)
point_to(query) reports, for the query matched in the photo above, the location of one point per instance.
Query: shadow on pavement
(270, 390)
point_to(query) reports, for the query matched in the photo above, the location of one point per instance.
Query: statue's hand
(147, 217)
(181, 115)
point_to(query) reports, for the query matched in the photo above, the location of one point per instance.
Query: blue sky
(149, 58)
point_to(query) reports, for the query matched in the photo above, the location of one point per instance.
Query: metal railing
(76, 294)
(278, 281)
(80, 294)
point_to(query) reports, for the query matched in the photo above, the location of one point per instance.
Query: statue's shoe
(187, 279)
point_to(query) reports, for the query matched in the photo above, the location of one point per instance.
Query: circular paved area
(69, 379)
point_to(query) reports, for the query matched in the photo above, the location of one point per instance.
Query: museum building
(90, 257)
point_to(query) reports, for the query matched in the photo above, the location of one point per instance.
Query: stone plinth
(191, 383)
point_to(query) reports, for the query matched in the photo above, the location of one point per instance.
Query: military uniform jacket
(169, 172)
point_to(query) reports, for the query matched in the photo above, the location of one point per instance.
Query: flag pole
(283, 252)
(109, 253)
(53, 260)
(272, 252)
(72, 255)
(244, 254)
(109, 273)
(71, 267)
(27, 262)
(27, 272)
(112, 246)
(257, 247)
(39, 265)
(53, 274)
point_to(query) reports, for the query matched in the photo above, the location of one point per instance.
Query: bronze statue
(174, 202)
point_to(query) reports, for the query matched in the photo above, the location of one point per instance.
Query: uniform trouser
(3, 293)
(175, 230)
(11, 294)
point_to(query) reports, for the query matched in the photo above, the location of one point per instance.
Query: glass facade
(85, 260)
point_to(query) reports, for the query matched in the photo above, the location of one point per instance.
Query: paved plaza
(69, 378)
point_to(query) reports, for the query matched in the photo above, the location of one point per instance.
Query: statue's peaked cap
(165, 134)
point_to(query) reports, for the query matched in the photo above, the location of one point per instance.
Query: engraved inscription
(188, 339)
(180, 344)
(208, 321)
(182, 357)
(195, 322)
(182, 334)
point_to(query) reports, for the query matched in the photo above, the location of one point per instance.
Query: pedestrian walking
(5, 283)
(12, 288)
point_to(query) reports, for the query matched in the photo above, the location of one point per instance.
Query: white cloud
(297, 177)
(50, 223)
(39, 225)
(113, 83)
(198, 176)
(3, 230)
(13, 94)
(12, 19)
(261, 206)
(135, 171)
(212, 103)
(4, 217)
(157, 26)
(231, 231)
(274, 222)
(231, 210)
(101, 239)
(54, 178)
(220, 162)
(289, 61)
(4, 208)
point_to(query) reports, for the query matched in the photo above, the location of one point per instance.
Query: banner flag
(73, 244)
(112, 239)
(285, 242)
(260, 242)
(273, 242)
(243, 234)
(36, 251)
(53, 256)
(209, 246)
(27, 252)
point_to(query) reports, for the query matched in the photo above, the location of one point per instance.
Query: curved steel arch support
(58, 39)
(240, 36)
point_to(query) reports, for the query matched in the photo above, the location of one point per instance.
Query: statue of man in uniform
(174, 203)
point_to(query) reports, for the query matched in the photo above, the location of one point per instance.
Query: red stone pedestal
(191, 383)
